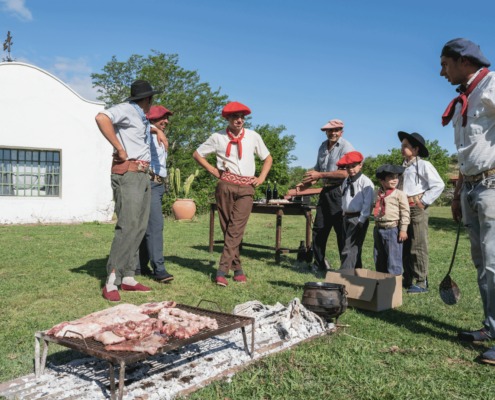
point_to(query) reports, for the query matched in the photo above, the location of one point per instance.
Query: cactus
(196, 173)
(177, 181)
(187, 185)
(172, 182)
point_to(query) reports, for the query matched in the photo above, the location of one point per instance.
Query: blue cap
(465, 48)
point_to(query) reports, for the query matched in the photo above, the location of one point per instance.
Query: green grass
(54, 273)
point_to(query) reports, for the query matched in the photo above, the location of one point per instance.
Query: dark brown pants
(234, 203)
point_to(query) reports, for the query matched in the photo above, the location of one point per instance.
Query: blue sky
(375, 65)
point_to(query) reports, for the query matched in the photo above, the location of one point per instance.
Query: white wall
(39, 111)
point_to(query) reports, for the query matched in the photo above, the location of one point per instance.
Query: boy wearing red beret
(235, 148)
(357, 202)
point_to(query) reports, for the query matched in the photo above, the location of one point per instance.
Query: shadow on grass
(290, 285)
(415, 323)
(96, 268)
(444, 224)
(245, 252)
(206, 267)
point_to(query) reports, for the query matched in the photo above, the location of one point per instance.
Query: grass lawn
(55, 273)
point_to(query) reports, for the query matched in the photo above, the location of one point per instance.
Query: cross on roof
(6, 46)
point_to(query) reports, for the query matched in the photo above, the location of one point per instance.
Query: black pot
(327, 300)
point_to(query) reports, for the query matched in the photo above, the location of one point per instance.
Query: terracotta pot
(184, 209)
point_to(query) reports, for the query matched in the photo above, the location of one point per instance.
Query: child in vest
(422, 185)
(357, 202)
(391, 220)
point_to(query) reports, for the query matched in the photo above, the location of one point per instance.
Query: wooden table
(279, 211)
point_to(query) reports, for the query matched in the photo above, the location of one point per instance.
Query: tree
(280, 148)
(196, 107)
(438, 157)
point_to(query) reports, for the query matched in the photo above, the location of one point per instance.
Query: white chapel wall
(38, 111)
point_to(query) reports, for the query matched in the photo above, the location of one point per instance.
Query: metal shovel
(449, 291)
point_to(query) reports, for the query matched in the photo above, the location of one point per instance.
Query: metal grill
(226, 322)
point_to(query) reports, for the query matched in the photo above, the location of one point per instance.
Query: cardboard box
(369, 290)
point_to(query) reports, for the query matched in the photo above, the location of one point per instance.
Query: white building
(54, 162)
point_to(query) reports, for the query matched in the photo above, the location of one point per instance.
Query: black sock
(220, 274)
(238, 272)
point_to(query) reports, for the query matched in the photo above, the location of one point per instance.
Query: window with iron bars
(29, 172)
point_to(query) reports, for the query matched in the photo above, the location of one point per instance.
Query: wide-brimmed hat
(334, 123)
(350, 158)
(157, 112)
(384, 170)
(235, 107)
(416, 140)
(142, 89)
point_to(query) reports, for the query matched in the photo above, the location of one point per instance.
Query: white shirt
(158, 157)
(475, 142)
(130, 131)
(327, 160)
(362, 202)
(251, 144)
(429, 183)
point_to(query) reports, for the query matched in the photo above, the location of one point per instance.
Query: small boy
(391, 220)
(357, 202)
(422, 185)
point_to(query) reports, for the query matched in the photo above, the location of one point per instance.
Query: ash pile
(181, 371)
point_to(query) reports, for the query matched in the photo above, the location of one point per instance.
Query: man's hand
(456, 211)
(302, 186)
(215, 172)
(402, 236)
(162, 139)
(120, 155)
(256, 181)
(420, 204)
(311, 176)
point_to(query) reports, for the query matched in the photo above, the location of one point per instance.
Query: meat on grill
(149, 344)
(86, 330)
(109, 338)
(169, 329)
(57, 328)
(150, 308)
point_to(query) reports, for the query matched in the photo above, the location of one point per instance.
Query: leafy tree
(280, 148)
(438, 157)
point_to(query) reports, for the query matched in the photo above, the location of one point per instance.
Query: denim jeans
(151, 248)
(387, 250)
(478, 212)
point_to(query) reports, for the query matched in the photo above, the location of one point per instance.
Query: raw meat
(86, 330)
(150, 308)
(149, 344)
(169, 329)
(57, 328)
(109, 338)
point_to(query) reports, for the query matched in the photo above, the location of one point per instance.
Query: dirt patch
(395, 349)
(187, 379)
(456, 361)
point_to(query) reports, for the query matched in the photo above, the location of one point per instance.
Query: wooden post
(212, 226)
(37, 356)
(112, 380)
(308, 229)
(278, 235)
(43, 357)
(121, 380)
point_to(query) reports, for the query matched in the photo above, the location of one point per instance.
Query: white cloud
(67, 65)
(83, 86)
(18, 8)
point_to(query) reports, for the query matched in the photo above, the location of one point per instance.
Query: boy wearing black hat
(126, 128)
(473, 117)
(422, 185)
(391, 220)
(357, 201)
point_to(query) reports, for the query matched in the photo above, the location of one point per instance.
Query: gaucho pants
(234, 203)
(353, 237)
(151, 248)
(131, 192)
(388, 250)
(478, 213)
(328, 215)
(415, 256)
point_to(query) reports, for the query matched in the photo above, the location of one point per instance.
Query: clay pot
(184, 209)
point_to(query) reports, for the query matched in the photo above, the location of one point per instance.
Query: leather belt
(386, 225)
(352, 214)
(476, 178)
(332, 184)
(155, 178)
(121, 167)
(414, 199)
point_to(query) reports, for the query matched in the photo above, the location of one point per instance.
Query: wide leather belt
(121, 167)
(476, 178)
(155, 178)
(386, 225)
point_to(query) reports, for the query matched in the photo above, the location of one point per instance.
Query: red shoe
(221, 281)
(112, 295)
(240, 278)
(136, 288)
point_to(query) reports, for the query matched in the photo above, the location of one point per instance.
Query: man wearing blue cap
(473, 116)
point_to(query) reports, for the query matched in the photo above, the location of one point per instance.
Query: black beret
(387, 169)
(465, 48)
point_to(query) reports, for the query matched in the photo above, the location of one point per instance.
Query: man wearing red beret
(151, 248)
(329, 208)
(235, 148)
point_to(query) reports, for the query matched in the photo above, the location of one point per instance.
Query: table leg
(252, 340)
(43, 357)
(243, 330)
(212, 226)
(278, 236)
(37, 356)
(308, 229)
(112, 380)
(121, 380)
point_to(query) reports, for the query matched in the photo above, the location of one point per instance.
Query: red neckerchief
(235, 140)
(380, 204)
(449, 112)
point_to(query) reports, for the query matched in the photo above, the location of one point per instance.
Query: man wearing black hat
(422, 185)
(473, 117)
(126, 128)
